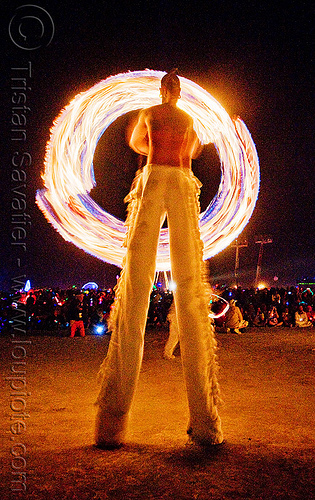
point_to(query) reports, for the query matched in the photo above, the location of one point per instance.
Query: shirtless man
(164, 133)
(165, 188)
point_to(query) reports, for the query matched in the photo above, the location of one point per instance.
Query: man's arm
(197, 147)
(139, 140)
(191, 148)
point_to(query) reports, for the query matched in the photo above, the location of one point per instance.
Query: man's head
(170, 85)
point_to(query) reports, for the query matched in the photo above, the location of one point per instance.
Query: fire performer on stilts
(166, 187)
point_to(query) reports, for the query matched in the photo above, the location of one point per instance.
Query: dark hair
(171, 82)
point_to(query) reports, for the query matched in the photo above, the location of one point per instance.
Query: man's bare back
(165, 134)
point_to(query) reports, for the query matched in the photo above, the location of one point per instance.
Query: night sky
(255, 58)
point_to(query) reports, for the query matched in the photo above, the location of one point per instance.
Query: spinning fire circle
(69, 176)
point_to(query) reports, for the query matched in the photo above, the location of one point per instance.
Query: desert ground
(267, 379)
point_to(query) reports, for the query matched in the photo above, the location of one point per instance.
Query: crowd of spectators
(289, 307)
(49, 310)
(54, 310)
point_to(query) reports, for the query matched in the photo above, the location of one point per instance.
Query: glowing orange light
(262, 286)
(69, 176)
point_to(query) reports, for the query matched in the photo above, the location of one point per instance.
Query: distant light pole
(262, 240)
(237, 246)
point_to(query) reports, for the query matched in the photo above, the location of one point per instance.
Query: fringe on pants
(157, 192)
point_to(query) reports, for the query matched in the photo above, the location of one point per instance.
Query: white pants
(161, 191)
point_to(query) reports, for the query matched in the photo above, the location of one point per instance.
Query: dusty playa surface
(267, 381)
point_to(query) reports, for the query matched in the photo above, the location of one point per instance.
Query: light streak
(222, 313)
(69, 176)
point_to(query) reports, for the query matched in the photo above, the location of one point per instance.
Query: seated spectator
(273, 317)
(251, 314)
(259, 319)
(234, 321)
(310, 314)
(301, 319)
(286, 317)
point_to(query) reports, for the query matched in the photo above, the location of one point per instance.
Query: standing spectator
(77, 314)
(30, 308)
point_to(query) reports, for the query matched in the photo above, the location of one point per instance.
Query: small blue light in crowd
(99, 329)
